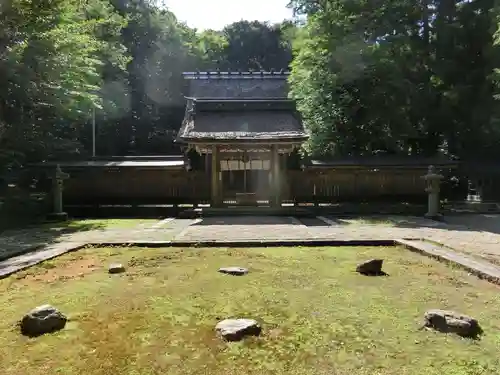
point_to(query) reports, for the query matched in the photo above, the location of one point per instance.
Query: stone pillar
(275, 177)
(215, 170)
(433, 180)
(57, 195)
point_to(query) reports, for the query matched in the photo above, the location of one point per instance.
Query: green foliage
(64, 62)
(212, 45)
(396, 77)
(51, 74)
(369, 77)
(255, 45)
(247, 45)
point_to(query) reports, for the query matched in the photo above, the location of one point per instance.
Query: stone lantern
(57, 188)
(433, 181)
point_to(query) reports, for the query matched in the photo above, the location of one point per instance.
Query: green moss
(318, 315)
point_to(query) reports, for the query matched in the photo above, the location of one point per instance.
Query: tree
(50, 76)
(255, 45)
(396, 77)
(150, 90)
(212, 47)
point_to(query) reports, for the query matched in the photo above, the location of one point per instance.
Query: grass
(318, 316)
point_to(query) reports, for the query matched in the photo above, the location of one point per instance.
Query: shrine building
(243, 125)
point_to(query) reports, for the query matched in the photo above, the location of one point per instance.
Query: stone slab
(20, 262)
(482, 270)
(248, 243)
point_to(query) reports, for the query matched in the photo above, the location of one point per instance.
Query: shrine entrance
(246, 177)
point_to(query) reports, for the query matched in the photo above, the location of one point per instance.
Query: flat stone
(452, 322)
(116, 268)
(236, 329)
(41, 320)
(237, 271)
(371, 267)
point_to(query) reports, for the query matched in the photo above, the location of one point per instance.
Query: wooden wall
(132, 185)
(136, 186)
(354, 184)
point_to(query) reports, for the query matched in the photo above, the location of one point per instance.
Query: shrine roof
(217, 105)
(173, 163)
(277, 125)
(246, 106)
(238, 85)
(387, 161)
(242, 120)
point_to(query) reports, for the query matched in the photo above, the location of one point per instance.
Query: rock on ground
(238, 271)
(41, 320)
(453, 322)
(371, 267)
(236, 329)
(116, 268)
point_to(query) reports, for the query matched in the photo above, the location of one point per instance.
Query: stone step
(483, 270)
(247, 211)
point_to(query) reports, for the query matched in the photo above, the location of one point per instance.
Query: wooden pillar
(215, 196)
(275, 177)
(207, 162)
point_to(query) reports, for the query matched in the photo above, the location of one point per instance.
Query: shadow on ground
(469, 222)
(487, 223)
(18, 241)
(477, 222)
(391, 221)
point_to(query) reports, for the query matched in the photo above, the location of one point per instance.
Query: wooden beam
(275, 177)
(215, 193)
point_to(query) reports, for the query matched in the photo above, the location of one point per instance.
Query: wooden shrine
(243, 126)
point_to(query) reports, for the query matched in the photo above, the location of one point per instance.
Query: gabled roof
(236, 85)
(225, 106)
(276, 125)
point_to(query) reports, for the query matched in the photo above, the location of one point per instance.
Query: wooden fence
(136, 186)
(133, 185)
(354, 184)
